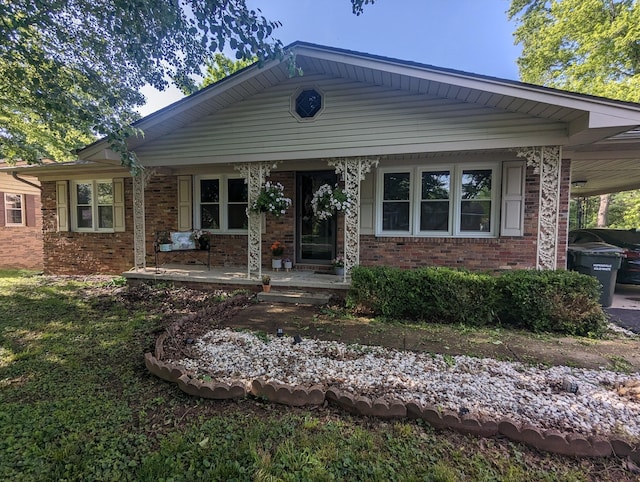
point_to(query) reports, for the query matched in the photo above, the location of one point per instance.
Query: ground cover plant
(76, 403)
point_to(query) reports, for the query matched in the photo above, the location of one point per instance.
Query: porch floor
(237, 276)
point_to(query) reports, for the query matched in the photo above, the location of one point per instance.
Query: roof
(596, 126)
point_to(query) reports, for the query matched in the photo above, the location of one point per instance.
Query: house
(447, 168)
(20, 223)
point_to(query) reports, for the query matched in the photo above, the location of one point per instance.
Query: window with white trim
(452, 200)
(14, 209)
(92, 205)
(222, 203)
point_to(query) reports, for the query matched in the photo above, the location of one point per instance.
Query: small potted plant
(287, 264)
(266, 283)
(338, 265)
(164, 241)
(277, 248)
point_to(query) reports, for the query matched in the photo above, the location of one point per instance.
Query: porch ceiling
(608, 166)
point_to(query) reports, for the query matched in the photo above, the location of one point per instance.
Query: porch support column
(255, 174)
(353, 170)
(140, 181)
(547, 163)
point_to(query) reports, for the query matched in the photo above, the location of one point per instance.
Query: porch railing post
(255, 174)
(140, 181)
(353, 170)
(547, 163)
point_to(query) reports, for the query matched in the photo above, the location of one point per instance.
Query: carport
(608, 166)
(611, 166)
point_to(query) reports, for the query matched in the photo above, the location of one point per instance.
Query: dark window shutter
(30, 209)
(2, 213)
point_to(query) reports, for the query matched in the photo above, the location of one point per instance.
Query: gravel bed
(483, 388)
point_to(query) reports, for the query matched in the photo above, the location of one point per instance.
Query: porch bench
(182, 245)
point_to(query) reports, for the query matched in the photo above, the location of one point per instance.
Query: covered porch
(235, 278)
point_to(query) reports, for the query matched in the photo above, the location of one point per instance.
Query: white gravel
(487, 388)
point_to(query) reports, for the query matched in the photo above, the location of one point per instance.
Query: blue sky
(470, 35)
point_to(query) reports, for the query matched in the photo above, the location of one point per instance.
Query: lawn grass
(76, 403)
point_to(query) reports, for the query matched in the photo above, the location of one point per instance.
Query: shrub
(557, 301)
(428, 294)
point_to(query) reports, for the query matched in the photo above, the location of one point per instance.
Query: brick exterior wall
(86, 253)
(22, 246)
(474, 253)
(72, 253)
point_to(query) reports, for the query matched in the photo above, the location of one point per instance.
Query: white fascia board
(604, 119)
(205, 94)
(180, 106)
(67, 170)
(99, 153)
(610, 112)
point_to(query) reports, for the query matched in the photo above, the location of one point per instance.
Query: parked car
(628, 240)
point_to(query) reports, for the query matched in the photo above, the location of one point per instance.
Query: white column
(255, 174)
(547, 163)
(140, 181)
(353, 170)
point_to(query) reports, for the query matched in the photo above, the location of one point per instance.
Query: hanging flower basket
(272, 200)
(328, 200)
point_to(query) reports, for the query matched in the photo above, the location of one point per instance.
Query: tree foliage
(217, 68)
(623, 213)
(72, 70)
(587, 46)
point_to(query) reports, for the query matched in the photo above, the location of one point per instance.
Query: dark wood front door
(315, 238)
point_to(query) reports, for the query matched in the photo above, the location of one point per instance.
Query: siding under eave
(357, 117)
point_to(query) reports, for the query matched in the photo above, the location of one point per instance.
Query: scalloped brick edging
(365, 406)
(571, 444)
(196, 388)
(213, 390)
(286, 394)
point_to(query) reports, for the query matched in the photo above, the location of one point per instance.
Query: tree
(71, 71)
(586, 46)
(217, 68)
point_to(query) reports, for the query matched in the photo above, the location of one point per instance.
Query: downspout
(15, 176)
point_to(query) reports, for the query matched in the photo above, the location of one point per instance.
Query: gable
(359, 118)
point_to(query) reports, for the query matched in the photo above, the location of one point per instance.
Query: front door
(315, 238)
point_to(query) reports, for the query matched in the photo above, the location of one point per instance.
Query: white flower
(327, 200)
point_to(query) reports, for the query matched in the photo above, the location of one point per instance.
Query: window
(455, 200)
(306, 104)
(434, 201)
(223, 203)
(92, 205)
(396, 201)
(14, 209)
(475, 205)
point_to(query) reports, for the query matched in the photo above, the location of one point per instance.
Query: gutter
(15, 176)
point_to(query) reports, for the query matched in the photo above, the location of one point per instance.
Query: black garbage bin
(600, 260)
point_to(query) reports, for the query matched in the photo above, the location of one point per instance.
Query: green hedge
(427, 294)
(558, 301)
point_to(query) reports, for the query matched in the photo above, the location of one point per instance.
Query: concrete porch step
(289, 296)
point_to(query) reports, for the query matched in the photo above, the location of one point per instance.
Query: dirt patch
(332, 324)
(200, 311)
